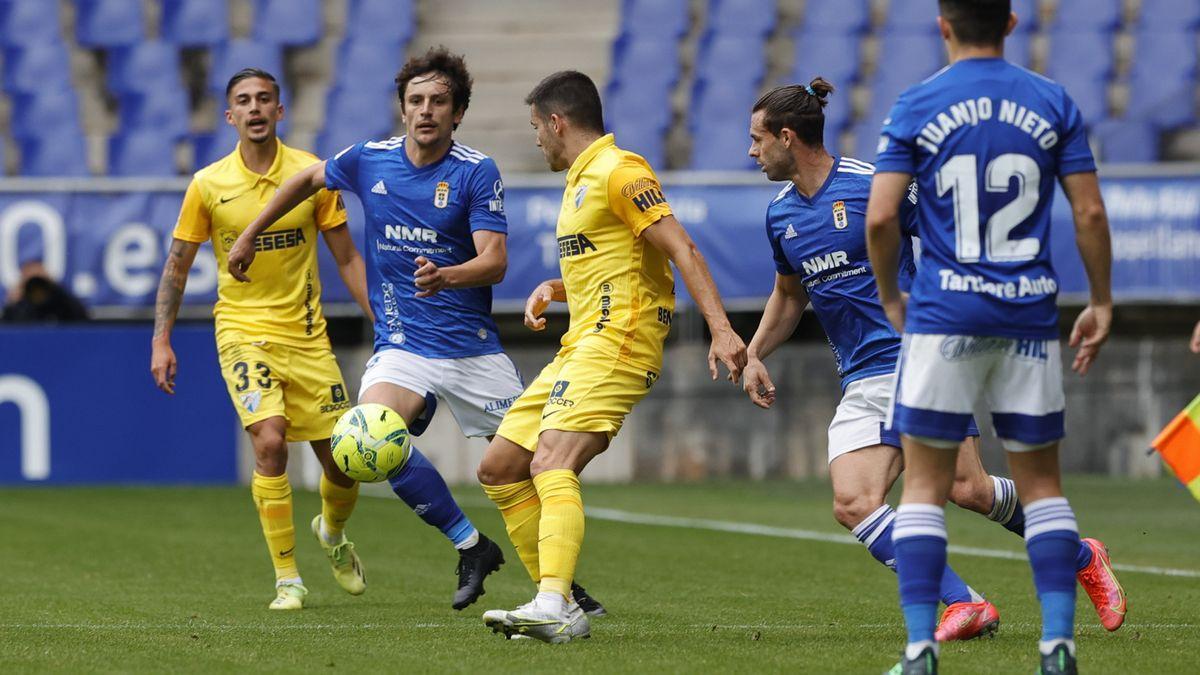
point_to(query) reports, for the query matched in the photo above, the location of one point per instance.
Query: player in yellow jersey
(271, 341)
(617, 239)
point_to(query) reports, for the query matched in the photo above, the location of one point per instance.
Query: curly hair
(441, 61)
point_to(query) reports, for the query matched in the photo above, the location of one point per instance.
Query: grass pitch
(150, 579)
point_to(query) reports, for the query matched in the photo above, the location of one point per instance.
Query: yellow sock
(273, 499)
(521, 508)
(337, 503)
(560, 530)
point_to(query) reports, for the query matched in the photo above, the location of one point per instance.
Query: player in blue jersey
(436, 242)
(986, 141)
(816, 230)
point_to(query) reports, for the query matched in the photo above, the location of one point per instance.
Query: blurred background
(107, 106)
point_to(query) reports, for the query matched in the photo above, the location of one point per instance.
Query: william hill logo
(644, 193)
(274, 241)
(574, 244)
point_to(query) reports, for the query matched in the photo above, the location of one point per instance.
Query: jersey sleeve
(896, 153)
(195, 222)
(636, 197)
(1074, 154)
(330, 211)
(781, 262)
(485, 209)
(906, 269)
(908, 211)
(341, 170)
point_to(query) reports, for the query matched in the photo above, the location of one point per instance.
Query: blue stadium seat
(742, 17)
(626, 105)
(1127, 141)
(141, 153)
(866, 139)
(1170, 14)
(210, 146)
(1017, 48)
(650, 61)
(144, 66)
(721, 147)
(1088, 15)
(164, 110)
(1080, 54)
(1090, 96)
(108, 23)
(53, 155)
(655, 18)
(352, 111)
(234, 55)
(32, 68)
(1162, 79)
(47, 112)
(735, 57)
(381, 20)
(844, 16)
(29, 22)
(921, 55)
(333, 140)
(637, 137)
(911, 16)
(1027, 15)
(370, 62)
(295, 23)
(834, 57)
(195, 23)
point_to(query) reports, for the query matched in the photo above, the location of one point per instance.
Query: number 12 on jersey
(959, 175)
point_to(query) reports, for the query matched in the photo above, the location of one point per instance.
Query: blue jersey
(823, 239)
(429, 211)
(986, 141)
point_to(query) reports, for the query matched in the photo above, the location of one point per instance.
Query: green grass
(147, 579)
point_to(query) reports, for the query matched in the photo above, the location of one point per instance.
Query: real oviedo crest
(840, 222)
(441, 195)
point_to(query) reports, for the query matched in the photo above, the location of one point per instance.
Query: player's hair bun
(820, 89)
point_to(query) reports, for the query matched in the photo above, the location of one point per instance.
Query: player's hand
(1090, 332)
(241, 256)
(1196, 339)
(163, 365)
(537, 303)
(728, 348)
(896, 311)
(428, 278)
(758, 385)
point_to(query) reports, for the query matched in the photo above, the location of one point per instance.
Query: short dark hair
(572, 95)
(798, 107)
(977, 22)
(439, 60)
(249, 73)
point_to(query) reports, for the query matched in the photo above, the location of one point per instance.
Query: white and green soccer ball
(370, 443)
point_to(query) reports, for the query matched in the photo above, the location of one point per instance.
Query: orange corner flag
(1179, 445)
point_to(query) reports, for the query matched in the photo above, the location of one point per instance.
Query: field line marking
(620, 516)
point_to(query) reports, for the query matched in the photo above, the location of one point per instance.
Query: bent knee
(850, 510)
(973, 494)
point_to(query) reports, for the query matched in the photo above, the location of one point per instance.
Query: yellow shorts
(584, 390)
(301, 384)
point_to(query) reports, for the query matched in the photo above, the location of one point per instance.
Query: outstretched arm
(166, 307)
(668, 236)
(293, 191)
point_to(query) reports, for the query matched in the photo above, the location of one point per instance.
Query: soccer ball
(370, 443)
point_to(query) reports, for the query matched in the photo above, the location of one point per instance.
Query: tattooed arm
(166, 307)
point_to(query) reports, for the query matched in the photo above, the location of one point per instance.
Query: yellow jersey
(282, 302)
(620, 289)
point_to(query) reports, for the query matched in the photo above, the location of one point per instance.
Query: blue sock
(920, 539)
(1083, 557)
(875, 532)
(1006, 509)
(423, 489)
(1052, 540)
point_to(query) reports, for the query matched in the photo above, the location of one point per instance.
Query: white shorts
(861, 417)
(942, 377)
(479, 389)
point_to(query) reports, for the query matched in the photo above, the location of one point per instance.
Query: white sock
(292, 580)
(975, 596)
(552, 601)
(914, 649)
(1004, 503)
(470, 541)
(329, 538)
(1047, 646)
